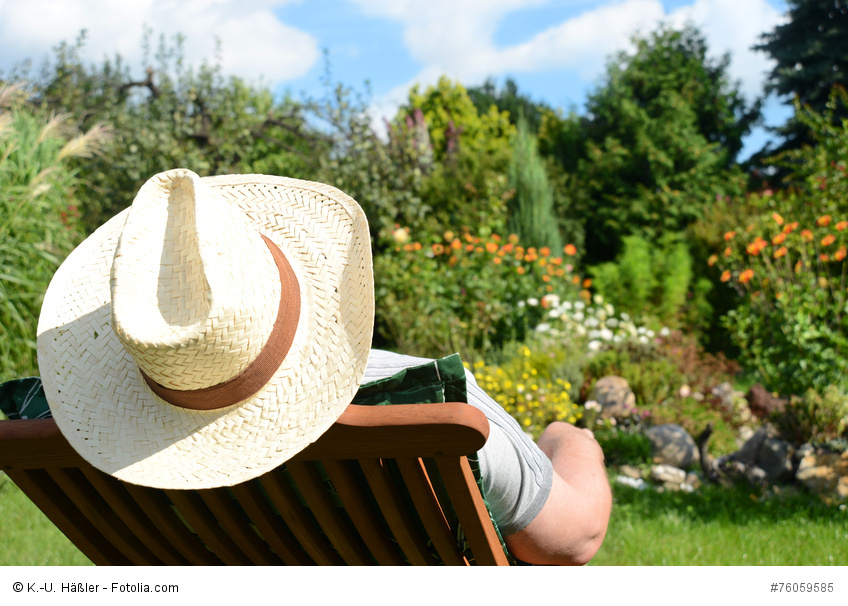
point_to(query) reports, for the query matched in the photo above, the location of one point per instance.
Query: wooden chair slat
(285, 501)
(270, 525)
(361, 511)
(43, 491)
(471, 511)
(198, 516)
(345, 542)
(237, 527)
(125, 507)
(165, 518)
(393, 510)
(421, 490)
(92, 506)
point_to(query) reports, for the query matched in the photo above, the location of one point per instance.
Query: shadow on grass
(740, 504)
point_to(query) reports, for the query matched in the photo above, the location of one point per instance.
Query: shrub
(815, 416)
(622, 445)
(463, 293)
(525, 386)
(791, 325)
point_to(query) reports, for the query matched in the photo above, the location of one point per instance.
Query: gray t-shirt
(517, 476)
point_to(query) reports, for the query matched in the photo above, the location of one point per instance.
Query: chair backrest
(385, 485)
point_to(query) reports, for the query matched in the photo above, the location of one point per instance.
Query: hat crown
(194, 289)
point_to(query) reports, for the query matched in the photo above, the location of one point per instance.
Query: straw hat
(211, 331)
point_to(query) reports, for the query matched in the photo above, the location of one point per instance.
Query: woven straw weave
(98, 397)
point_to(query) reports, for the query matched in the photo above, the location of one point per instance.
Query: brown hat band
(262, 369)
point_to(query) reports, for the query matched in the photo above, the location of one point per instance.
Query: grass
(711, 528)
(717, 527)
(27, 537)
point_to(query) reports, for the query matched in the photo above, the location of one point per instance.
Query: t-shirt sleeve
(517, 475)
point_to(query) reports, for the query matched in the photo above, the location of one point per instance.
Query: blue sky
(554, 49)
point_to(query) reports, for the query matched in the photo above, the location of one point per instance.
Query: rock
(667, 474)
(630, 471)
(614, 395)
(672, 445)
(693, 480)
(762, 403)
(824, 474)
(775, 459)
(637, 483)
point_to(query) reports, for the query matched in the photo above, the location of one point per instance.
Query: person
(551, 499)
(218, 326)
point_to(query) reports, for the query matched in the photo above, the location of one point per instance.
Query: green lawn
(723, 527)
(715, 527)
(27, 538)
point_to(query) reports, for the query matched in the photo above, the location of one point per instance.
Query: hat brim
(110, 416)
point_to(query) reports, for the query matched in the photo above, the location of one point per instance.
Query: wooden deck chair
(382, 486)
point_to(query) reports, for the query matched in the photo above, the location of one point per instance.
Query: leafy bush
(791, 325)
(526, 387)
(815, 416)
(464, 292)
(623, 445)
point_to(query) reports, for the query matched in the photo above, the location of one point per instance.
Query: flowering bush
(791, 326)
(525, 388)
(462, 292)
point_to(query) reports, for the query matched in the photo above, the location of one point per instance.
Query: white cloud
(455, 37)
(254, 42)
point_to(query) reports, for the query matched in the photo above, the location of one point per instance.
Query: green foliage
(818, 417)
(791, 325)
(531, 212)
(810, 53)
(176, 116)
(622, 445)
(651, 281)
(508, 99)
(39, 222)
(463, 293)
(660, 139)
(526, 385)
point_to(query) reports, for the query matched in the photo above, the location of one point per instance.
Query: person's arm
(573, 522)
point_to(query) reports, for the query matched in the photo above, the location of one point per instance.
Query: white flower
(566, 305)
(598, 299)
(591, 322)
(612, 322)
(664, 331)
(532, 302)
(521, 304)
(684, 391)
(554, 313)
(592, 405)
(400, 235)
(551, 300)
(578, 316)
(543, 327)
(594, 345)
(625, 317)
(579, 305)
(606, 334)
(643, 340)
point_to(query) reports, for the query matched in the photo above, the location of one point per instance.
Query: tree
(531, 207)
(508, 99)
(660, 139)
(173, 116)
(811, 56)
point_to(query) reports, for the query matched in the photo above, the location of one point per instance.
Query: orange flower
(546, 278)
(417, 246)
(798, 266)
(841, 225)
(587, 283)
(780, 252)
(497, 260)
(777, 218)
(712, 260)
(479, 249)
(438, 249)
(778, 239)
(725, 276)
(828, 240)
(824, 258)
(520, 270)
(448, 236)
(823, 221)
(576, 279)
(545, 251)
(453, 260)
(746, 276)
(728, 251)
(840, 254)
(512, 239)
(496, 237)
(456, 244)
(755, 247)
(790, 227)
(543, 261)
(807, 235)
(570, 250)
(729, 235)
(469, 248)
(491, 247)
